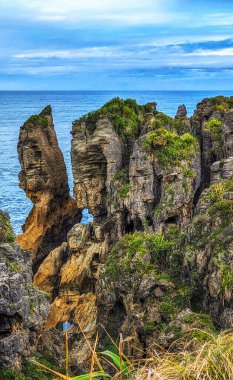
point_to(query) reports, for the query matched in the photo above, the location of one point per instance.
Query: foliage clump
(129, 253)
(6, 232)
(214, 126)
(222, 103)
(123, 190)
(169, 147)
(38, 120)
(162, 120)
(126, 116)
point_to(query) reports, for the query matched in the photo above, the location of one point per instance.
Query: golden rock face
(44, 179)
(81, 309)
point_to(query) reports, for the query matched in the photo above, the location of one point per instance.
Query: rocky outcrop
(181, 112)
(159, 252)
(44, 179)
(23, 308)
(208, 260)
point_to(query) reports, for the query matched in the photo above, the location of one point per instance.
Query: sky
(116, 45)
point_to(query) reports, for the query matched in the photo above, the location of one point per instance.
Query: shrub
(169, 147)
(126, 116)
(214, 126)
(189, 173)
(6, 232)
(123, 190)
(127, 255)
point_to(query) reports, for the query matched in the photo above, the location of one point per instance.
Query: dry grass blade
(49, 370)
(91, 349)
(93, 357)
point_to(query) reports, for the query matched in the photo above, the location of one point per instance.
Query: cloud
(134, 12)
(93, 52)
(217, 52)
(220, 19)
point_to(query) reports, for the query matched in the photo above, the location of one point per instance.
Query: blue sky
(116, 45)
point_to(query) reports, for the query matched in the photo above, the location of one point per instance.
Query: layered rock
(212, 123)
(23, 308)
(44, 179)
(158, 254)
(208, 259)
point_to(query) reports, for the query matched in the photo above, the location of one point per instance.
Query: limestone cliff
(44, 179)
(23, 308)
(159, 252)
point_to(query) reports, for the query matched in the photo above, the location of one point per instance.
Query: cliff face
(43, 178)
(159, 252)
(23, 308)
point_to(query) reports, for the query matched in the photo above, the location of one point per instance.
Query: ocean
(17, 106)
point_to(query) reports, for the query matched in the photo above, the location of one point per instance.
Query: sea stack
(44, 179)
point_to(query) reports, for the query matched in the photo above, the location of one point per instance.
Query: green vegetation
(46, 111)
(29, 372)
(222, 103)
(169, 147)
(38, 120)
(220, 205)
(226, 276)
(122, 175)
(162, 120)
(128, 255)
(123, 190)
(210, 359)
(214, 126)
(188, 172)
(6, 232)
(15, 267)
(126, 116)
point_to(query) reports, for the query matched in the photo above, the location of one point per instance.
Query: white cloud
(225, 52)
(220, 19)
(80, 11)
(93, 52)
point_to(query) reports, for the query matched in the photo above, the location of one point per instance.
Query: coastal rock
(159, 248)
(181, 112)
(23, 308)
(44, 179)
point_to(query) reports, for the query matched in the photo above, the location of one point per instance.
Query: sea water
(17, 106)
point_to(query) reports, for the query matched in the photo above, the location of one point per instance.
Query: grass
(169, 147)
(210, 358)
(127, 255)
(14, 267)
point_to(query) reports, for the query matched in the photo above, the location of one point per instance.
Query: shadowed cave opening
(172, 220)
(9, 324)
(116, 318)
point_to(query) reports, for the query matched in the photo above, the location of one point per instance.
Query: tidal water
(17, 106)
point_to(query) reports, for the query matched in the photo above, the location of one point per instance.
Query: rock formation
(44, 179)
(23, 308)
(158, 257)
